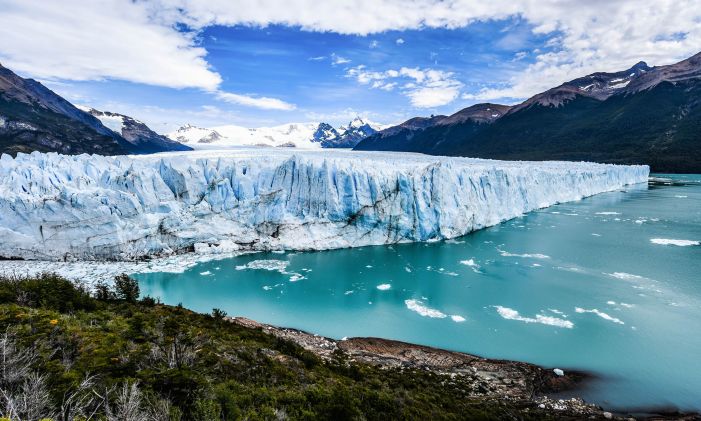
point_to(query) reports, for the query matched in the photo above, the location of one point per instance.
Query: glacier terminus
(90, 207)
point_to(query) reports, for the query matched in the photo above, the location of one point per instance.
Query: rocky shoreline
(522, 384)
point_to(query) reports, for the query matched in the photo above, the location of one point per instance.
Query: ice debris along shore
(57, 207)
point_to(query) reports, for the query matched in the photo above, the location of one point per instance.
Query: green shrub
(126, 288)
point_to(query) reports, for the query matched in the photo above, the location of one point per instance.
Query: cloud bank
(155, 41)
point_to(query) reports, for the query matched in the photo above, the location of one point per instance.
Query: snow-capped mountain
(345, 136)
(295, 135)
(34, 118)
(135, 132)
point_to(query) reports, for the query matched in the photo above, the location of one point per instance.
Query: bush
(48, 290)
(103, 292)
(218, 313)
(126, 288)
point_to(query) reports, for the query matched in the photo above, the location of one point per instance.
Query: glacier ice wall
(56, 207)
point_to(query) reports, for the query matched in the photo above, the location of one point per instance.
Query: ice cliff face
(93, 207)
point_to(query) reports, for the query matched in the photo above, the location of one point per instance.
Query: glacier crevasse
(57, 207)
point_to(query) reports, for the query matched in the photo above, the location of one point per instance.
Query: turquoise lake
(592, 285)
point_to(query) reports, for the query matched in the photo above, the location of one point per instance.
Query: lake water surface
(591, 285)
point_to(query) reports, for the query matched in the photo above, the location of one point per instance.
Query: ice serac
(126, 207)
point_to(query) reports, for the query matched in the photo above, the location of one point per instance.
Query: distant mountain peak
(135, 132)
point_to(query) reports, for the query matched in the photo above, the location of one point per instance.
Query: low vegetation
(69, 353)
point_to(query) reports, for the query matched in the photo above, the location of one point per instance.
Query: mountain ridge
(302, 135)
(34, 118)
(641, 115)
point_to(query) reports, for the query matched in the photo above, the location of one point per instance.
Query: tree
(127, 288)
(103, 292)
(218, 313)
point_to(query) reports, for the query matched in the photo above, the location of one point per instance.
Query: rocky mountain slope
(34, 118)
(642, 115)
(136, 132)
(299, 135)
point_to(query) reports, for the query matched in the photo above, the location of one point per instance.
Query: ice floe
(511, 314)
(600, 314)
(672, 242)
(472, 265)
(525, 255)
(273, 266)
(419, 307)
(384, 287)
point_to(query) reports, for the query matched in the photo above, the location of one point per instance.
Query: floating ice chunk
(457, 318)
(205, 273)
(419, 307)
(271, 265)
(608, 213)
(296, 277)
(349, 292)
(679, 196)
(556, 311)
(626, 276)
(384, 287)
(595, 234)
(407, 268)
(526, 255)
(671, 242)
(559, 372)
(600, 314)
(472, 264)
(511, 314)
(368, 266)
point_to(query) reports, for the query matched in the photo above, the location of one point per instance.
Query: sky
(267, 62)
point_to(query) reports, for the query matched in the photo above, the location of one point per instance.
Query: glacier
(122, 208)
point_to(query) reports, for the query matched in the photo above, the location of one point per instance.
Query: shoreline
(514, 381)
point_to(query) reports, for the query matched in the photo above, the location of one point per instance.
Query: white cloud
(399, 41)
(138, 41)
(336, 59)
(257, 102)
(341, 116)
(428, 88)
(109, 39)
(587, 36)
(374, 44)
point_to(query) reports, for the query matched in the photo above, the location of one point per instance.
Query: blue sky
(266, 62)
